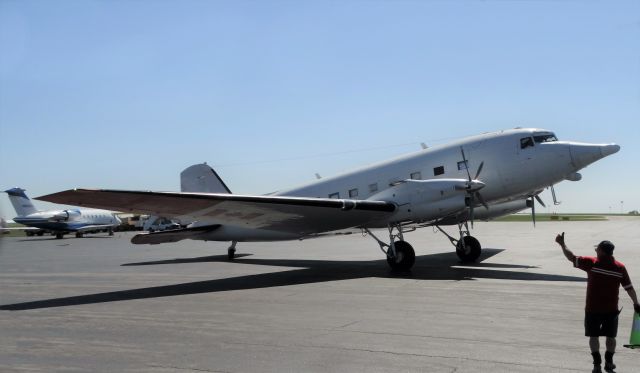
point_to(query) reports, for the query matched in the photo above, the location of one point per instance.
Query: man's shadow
(443, 266)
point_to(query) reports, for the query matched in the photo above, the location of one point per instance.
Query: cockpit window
(549, 137)
(526, 142)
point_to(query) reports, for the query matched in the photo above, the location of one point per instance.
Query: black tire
(405, 257)
(231, 254)
(40, 233)
(79, 235)
(471, 250)
(59, 236)
(28, 233)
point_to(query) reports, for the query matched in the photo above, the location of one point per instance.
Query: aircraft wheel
(29, 234)
(468, 249)
(59, 235)
(79, 234)
(405, 257)
(40, 233)
(110, 232)
(231, 253)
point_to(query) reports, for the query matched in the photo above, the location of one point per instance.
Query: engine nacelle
(426, 200)
(501, 209)
(65, 215)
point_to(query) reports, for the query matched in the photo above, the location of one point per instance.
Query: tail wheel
(468, 249)
(405, 257)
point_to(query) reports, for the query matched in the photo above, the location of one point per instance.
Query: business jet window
(373, 188)
(416, 175)
(353, 193)
(526, 142)
(334, 195)
(545, 138)
(438, 170)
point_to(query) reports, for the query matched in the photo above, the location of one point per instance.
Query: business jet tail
(200, 178)
(21, 203)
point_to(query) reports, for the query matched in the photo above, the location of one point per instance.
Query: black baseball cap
(606, 246)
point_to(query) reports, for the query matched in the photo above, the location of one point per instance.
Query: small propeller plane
(431, 187)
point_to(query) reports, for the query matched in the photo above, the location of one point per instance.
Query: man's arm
(565, 250)
(634, 298)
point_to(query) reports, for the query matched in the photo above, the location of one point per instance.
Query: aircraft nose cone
(609, 149)
(583, 155)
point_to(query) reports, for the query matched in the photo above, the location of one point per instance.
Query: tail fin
(200, 178)
(21, 203)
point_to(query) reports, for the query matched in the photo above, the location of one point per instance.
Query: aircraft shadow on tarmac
(444, 266)
(62, 239)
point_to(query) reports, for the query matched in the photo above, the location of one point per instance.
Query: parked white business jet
(432, 187)
(59, 222)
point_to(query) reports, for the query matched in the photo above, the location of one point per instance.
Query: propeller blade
(479, 196)
(479, 170)
(466, 164)
(540, 200)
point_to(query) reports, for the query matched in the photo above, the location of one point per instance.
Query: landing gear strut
(400, 254)
(231, 251)
(467, 247)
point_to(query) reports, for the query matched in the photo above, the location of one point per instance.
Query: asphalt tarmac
(101, 304)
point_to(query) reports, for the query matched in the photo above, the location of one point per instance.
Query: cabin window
(353, 193)
(373, 188)
(416, 175)
(526, 142)
(463, 165)
(334, 195)
(438, 170)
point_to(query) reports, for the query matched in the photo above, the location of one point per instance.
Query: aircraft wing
(299, 215)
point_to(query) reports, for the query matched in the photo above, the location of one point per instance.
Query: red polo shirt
(604, 280)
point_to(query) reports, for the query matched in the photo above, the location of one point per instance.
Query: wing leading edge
(298, 216)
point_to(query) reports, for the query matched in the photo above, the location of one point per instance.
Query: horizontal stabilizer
(176, 235)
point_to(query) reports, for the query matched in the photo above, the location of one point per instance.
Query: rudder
(21, 203)
(200, 178)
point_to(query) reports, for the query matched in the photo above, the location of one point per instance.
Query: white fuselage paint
(511, 173)
(69, 220)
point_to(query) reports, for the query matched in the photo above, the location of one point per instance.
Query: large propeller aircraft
(432, 187)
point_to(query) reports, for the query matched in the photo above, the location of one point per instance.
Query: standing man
(605, 276)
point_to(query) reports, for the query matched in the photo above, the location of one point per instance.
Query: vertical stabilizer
(200, 178)
(21, 203)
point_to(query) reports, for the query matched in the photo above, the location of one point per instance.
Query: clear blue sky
(125, 94)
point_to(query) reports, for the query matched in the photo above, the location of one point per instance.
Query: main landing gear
(400, 255)
(467, 247)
